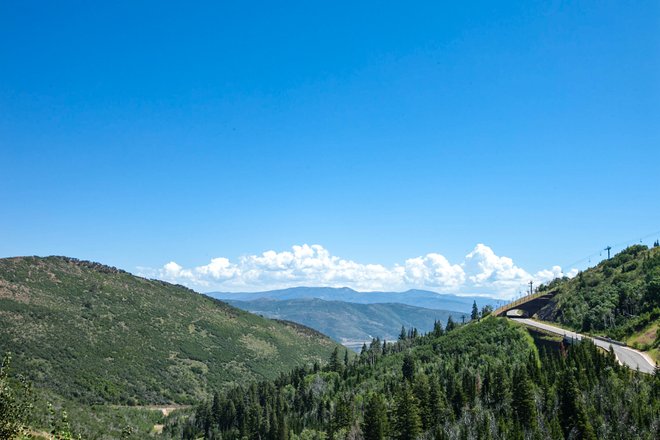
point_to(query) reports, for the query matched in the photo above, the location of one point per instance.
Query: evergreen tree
(283, 429)
(458, 400)
(475, 311)
(437, 403)
(408, 367)
(451, 325)
(524, 408)
(422, 394)
(334, 364)
(216, 409)
(408, 424)
(375, 418)
(584, 428)
(403, 335)
(437, 329)
(343, 413)
(572, 413)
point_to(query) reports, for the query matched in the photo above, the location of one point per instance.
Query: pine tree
(375, 418)
(408, 424)
(475, 311)
(343, 413)
(584, 428)
(228, 416)
(437, 329)
(458, 401)
(524, 408)
(216, 409)
(334, 364)
(363, 351)
(451, 325)
(437, 403)
(273, 427)
(421, 392)
(572, 413)
(403, 335)
(408, 367)
(283, 429)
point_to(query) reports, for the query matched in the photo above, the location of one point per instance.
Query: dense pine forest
(482, 380)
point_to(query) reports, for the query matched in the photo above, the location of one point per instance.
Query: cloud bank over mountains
(480, 272)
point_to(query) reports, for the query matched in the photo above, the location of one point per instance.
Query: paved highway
(627, 356)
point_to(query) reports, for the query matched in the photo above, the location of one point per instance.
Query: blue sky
(141, 133)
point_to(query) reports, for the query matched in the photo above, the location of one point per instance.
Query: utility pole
(531, 283)
(608, 251)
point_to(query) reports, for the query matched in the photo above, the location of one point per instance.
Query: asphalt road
(625, 355)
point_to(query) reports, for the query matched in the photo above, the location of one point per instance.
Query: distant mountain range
(417, 298)
(350, 323)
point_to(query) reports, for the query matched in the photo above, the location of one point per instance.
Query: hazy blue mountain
(417, 298)
(349, 323)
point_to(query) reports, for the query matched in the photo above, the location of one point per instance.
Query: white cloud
(218, 269)
(480, 272)
(486, 270)
(173, 270)
(433, 270)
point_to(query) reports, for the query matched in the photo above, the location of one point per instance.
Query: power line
(609, 248)
(599, 253)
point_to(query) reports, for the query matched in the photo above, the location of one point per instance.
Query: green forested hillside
(483, 380)
(92, 334)
(619, 297)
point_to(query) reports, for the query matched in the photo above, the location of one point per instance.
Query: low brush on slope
(95, 334)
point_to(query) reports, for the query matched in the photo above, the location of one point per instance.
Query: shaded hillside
(619, 297)
(417, 298)
(95, 334)
(346, 321)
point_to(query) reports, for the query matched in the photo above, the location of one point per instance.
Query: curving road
(625, 355)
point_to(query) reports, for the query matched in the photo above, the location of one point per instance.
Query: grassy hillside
(619, 297)
(345, 321)
(97, 335)
(483, 380)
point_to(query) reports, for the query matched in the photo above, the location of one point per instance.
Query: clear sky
(140, 133)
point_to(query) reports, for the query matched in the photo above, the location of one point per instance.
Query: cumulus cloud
(483, 266)
(432, 270)
(219, 269)
(480, 272)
